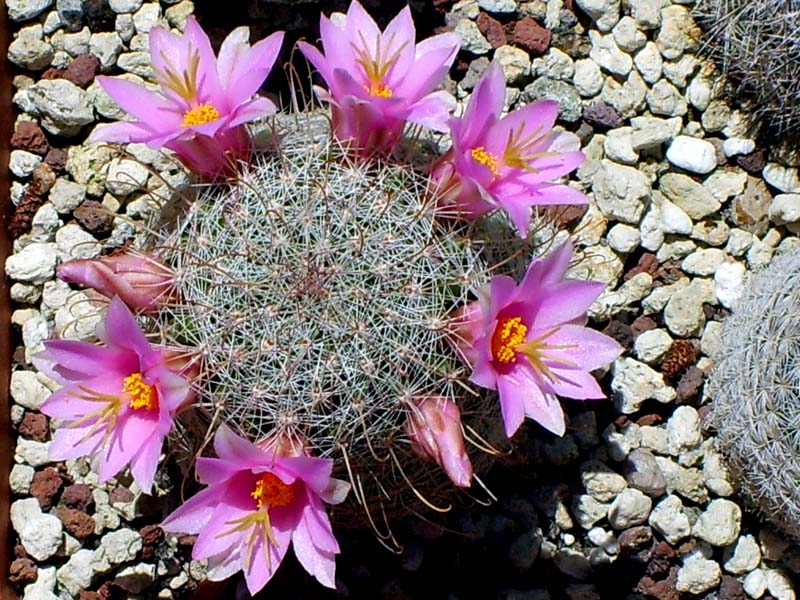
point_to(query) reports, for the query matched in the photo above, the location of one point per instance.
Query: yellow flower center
(380, 90)
(271, 491)
(200, 115)
(509, 334)
(480, 155)
(142, 395)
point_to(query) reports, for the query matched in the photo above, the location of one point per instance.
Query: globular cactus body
(755, 386)
(756, 44)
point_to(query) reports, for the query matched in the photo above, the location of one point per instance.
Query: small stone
(77, 573)
(522, 551)
(678, 34)
(753, 162)
(621, 192)
(29, 50)
(631, 507)
(689, 195)
(627, 35)
(515, 62)
(35, 263)
(635, 382)
(779, 585)
(601, 115)
(627, 98)
(587, 79)
(22, 163)
(649, 63)
(126, 176)
(738, 147)
(76, 522)
(29, 136)
(729, 282)
(45, 487)
(82, 69)
(773, 546)
(669, 520)
(698, 574)
(117, 547)
(651, 345)
(692, 154)
(643, 473)
(22, 571)
(782, 178)
(530, 36)
(743, 556)
(472, 40)
(688, 387)
(605, 13)
(651, 132)
(147, 17)
(602, 483)
(689, 483)
(78, 496)
(569, 102)
(755, 584)
(588, 511)
(635, 540)
(623, 238)
(555, 65)
(785, 208)
(492, 29)
(39, 533)
(63, 106)
(608, 55)
(719, 524)
(665, 99)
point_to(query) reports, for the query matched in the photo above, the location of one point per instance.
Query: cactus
(318, 290)
(755, 386)
(755, 43)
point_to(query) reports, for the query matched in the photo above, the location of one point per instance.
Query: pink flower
(204, 100)
(257, 503)
(434, 426)
(139, 280)
(118, 401)
(379, 80)
(506, 163)
(529, 343)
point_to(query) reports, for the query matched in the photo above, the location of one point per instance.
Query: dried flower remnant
(257, 503)
(205, 101)
(139, 280)
(528, 341)
(507, 163)
(118, 401)
(378, 81)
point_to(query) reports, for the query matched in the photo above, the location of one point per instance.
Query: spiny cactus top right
(756, 389)
(755, 44)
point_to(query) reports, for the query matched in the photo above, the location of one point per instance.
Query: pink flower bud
(434, 425)
(139, 280)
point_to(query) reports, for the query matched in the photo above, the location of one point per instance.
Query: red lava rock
(641, 324)
(660, 560)
(690, 383)
(45, 487)
(621, 421)
(120, 494)
(22, 571)
(43, 177)
(78, 495)
(53, 73)
(666, 589)
(566, 215)
(22, 219)
(76, 522)
(620, 331)
(152, 535)
(730, 589)
(531, 37)
(652, 419)
(82, 69)
(753, 162)
(648, 263)
(94, 217)
(19, 551)
(635, 539)
(491, 29)
(34, 426)
(56, 159)
(601, 115)
(29, 136)
(186, 540)
(669, 272)
(84, 595)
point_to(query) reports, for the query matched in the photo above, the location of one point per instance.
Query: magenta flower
(257, 503)
(529, 343)
(204, 100)
(379, 80)
(139, 280)
(118, 401)
(506, 163)
(434, 426)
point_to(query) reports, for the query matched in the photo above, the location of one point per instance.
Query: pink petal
(521, 389)
(484, 107)
(153, 110)
(218, 535)
(173, 389)
(315, 472)
(120, 330)
(483, 373)
(88, 360)
(145, 463)
(528, 124)
(208, 86)
(399, 37)
(72, 442)
(68, 404)
(243, 71)
(511, 404)
(254, 109)
(564, 302)
(554, 266)
(317, 59)
(579, 385)
(259, 572)
(586, 348)
(551, 166)
(427, 73)
(318, 562)
(318, 526)
(237, 450)
(214, 471)
(132, 429)
(361, 29)
(223, 565)
(194, 514)
(432, 111)
(168, 51)
(502, 291)
(121, 133)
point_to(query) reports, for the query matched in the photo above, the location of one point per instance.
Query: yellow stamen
(509, 334)
(142, 395)
(379, 90)
(480, 155)
(536, 352)
(200, 115)
(271, 491)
